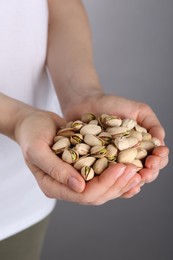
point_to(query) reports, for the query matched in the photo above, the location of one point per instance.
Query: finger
(120, 185)
(163, 153)
(50, 164)
(131, 192)
(152, 162)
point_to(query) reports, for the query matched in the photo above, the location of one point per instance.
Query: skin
(71, 66)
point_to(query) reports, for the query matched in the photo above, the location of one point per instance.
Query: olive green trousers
(25, 245)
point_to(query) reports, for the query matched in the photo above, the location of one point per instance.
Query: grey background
(133, 41)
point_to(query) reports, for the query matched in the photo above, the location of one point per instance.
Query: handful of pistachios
(92, 143)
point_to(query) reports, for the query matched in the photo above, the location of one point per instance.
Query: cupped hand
(126, 108)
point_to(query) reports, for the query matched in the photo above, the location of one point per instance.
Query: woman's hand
(126, 108)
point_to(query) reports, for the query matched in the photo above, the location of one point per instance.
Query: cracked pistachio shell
(138, 135)
(106, 137)
(118, 131)
(138, 164)
(146, 136)
(82, 149)
(141, 153)
(98, 151)
(67, 132)
(76, 139)
(101, 119)
(77, 125)
(110, 121)
(100, 165)
(90, 129)
(112, 152)
(70, 155)
(84, 161)
(127, 156)
(60, 145)
(140, 129)
(92, 140)
(87, 173)
(150, 144)
(57, 138)
(129, 123)
(86, 118)
(121, 143)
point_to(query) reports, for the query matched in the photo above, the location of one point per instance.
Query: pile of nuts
(92, 143)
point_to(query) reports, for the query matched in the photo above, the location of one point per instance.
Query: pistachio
(118, 131)
(121, 143)
(77, 125)
(57, 138)
(82, 149)
(70, 155)
(141, 153)
(67, 132)
(127, 156)
(108, 121)
(84, 161)
(60, 145)
(135, 134)
(87, 173)
(138, 164)
(112, 152)
(105, 137)
(129, 123)
(90, 129)
(76, 139)
(93, 122)
(140, 129)
(92, 140)
(100, 165)
(146, 136)
(98, 151)
(86, 118)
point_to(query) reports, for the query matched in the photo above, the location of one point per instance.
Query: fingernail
(74, 184)
(130, 174)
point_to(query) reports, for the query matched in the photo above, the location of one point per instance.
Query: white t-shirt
(23, 42)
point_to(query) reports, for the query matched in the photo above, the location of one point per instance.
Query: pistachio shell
(82, 149)
(138, 164)
(98, 151)
(57, 138)
(106, 137)
(86, 118)
(108, 121)
(92, 140)
(93, 122)
(146, 136)
(90, 129)
(141, 153)
(77, 125)
(155, 141)
(121, 143)
(70, 155)
(127, 156)
(84, 161)
(129, 123)
(118, 131)
(60, 145)
(138, 135)
(100, 165)
(67, 132)
(87, 173)
(140, 129)
(76, 139)
(112, 152)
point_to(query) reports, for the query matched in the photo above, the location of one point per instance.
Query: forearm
(69, 57)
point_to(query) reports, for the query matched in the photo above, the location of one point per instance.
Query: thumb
(52, 165)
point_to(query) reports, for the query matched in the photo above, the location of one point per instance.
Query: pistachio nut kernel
(98, 151)
(100, 165)
(87, 173)
(77, 125)
(76, 139)
(60, 145)
(70, 156)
